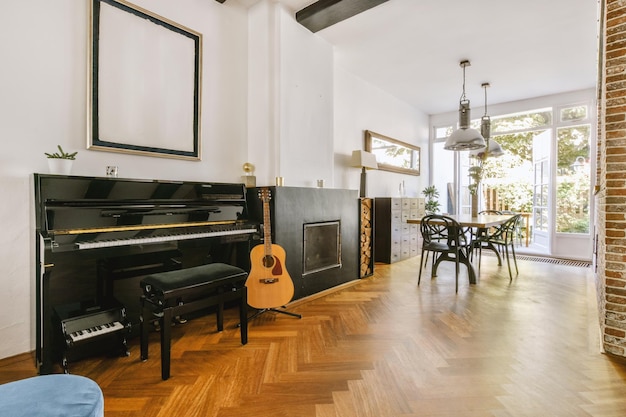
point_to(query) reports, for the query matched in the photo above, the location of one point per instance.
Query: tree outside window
(507, 181)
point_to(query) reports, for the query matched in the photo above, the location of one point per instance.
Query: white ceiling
(412, 48)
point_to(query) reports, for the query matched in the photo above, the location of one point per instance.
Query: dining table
(481, 221)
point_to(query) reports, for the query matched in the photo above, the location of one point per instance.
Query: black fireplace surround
(329, 218)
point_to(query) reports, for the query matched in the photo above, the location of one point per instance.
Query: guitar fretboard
(267, 228)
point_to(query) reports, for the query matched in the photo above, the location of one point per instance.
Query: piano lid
(66, 203)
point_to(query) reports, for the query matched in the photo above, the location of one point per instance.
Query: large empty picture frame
(145, 78)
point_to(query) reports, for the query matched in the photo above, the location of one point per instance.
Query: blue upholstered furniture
(52, 396)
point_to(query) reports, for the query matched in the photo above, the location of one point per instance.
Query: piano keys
(94, 232)
(81, 330)
(164, 238)
(94, 331)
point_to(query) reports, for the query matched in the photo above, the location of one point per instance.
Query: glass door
(541, 192)
(545, 174)
(573, 184)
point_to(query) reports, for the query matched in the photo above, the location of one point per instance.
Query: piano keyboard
(159, 239)
(98, 330)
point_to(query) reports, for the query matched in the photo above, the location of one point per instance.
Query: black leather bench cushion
(211, 275)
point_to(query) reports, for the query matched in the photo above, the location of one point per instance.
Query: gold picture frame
(393, 155)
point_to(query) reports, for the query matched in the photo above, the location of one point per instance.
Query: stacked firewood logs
(366, 252)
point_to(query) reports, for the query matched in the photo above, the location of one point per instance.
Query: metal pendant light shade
(493, 148)
(464, 138)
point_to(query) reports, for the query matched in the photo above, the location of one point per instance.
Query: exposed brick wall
(611, 181)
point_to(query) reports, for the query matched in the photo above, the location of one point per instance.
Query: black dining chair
(504, 237)
(479, 238)
(446, 239)
(518, 232)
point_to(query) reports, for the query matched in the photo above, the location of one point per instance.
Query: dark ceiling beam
(325, 13)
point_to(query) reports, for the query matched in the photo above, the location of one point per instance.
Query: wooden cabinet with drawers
(395, 239)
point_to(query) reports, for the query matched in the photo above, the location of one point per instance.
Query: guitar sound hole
(268, 261)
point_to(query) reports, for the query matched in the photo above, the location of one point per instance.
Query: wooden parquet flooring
(384, 347)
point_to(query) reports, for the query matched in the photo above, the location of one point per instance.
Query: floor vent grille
(557, 261)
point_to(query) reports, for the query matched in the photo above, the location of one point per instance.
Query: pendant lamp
(492, 148)
(464, 138)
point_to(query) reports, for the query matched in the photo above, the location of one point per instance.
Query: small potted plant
(60, 162)
(432, 204)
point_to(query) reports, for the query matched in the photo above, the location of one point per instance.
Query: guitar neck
(267, 227)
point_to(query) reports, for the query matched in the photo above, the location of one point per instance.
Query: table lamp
(364, 160)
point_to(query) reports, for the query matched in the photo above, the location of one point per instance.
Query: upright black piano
(93, 232)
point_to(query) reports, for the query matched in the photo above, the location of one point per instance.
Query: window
(443, 164)
(522, 121)
(573, 179)
(545, 170)
(569, 114)
(443, 132)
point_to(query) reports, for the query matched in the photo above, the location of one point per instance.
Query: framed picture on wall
(393, 155)
(145, 82)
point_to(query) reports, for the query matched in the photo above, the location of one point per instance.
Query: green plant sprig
(432, 204)
(61, 154)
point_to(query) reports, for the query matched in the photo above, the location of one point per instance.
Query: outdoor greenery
(573, 179)
(510, 177)
(511, 174)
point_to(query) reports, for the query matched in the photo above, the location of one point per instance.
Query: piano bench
(173, 293)
(52, 395)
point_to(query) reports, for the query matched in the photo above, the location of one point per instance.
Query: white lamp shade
(464, 139)
(364, 159)
(494, 150)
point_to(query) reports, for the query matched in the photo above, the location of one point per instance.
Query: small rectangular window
(443, 132)
(570, 114)
(522, 121)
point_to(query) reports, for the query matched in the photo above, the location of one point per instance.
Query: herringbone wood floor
(385, 347)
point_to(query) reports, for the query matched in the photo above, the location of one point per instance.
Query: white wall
(306, 116)
(359, 106)
(263, 74)
(291, 100)
(269, 88)
(306, 105)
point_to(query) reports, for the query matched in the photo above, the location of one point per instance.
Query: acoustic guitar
(269, 284)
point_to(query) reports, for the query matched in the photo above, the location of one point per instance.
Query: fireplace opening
(322, 246)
